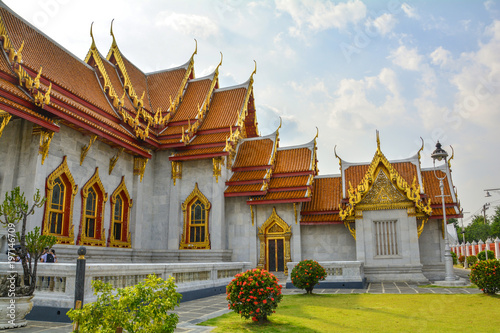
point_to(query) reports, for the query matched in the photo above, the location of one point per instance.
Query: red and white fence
(472, 249)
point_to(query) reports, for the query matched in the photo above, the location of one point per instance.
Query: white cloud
(354, 105)
(440, 57)
(384, 23)
(318, 87)
(410, 11)
(317, 15)
(192, 25)
(406, 58)
(489, 4)
(478, 81)
(430, 113)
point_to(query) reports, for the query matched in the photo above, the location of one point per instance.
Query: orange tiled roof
(243, 188)
(200, 151)
(281, 182)
(224, 109)
(450, 211)
(162, 86)
(431, 187)
(210, 138)
(407, 170)
(4, 64)
(248, 175)
(320, 218)
(355, 174)
(138, 81)
(176, 129)
(168, 141)
(285, 195)
(254, 153)
(293, 160)
(59, 66)
(326, 195)
(195, 95)
(13, 89)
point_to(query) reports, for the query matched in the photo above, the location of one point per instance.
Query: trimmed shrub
(140, 308)
(454, 256)
(482, 256)
(486, 275)
(254, 294)
(471, 260)
(461, 259)
(306, 274)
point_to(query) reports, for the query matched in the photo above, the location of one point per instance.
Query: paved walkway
(194, 312)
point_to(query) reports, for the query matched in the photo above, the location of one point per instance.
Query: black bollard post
(80, 276)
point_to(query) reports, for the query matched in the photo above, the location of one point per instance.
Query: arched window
(196, 211)
(119, 234)
(60, 191)
(94, 197)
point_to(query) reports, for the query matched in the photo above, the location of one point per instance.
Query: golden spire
(317, 134)
(337, 156)
(195, 48)
(220, 63)
(378, 143)
(113, 45)
(254, 71)
(452, 155)
(421, 148)
(93, 47)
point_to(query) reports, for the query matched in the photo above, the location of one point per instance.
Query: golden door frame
(274, 228)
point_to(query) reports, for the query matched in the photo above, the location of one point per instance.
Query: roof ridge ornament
(93, 47)
(452, 156)
(254, 71)
(220, 63)
(421, 148)
(113, 44)
(378, 143)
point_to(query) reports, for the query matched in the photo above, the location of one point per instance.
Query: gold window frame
(185, 244)
(67, 235)
(101, 199)
(121, 191)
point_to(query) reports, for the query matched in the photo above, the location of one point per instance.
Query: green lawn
(374, 313)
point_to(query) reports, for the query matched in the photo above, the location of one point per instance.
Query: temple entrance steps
(281, 277)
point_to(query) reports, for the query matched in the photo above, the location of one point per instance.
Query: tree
(15, 209)
(495, 225)
(477, 230)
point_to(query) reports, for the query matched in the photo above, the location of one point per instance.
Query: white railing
(56, 282)
(338, 271)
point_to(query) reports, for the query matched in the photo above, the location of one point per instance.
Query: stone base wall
(327, 243)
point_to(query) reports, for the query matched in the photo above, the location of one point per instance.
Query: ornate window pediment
(60, 190)
(196, 209)
(94, 197)
(119, 234)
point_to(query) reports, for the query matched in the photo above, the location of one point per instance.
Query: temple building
(170, 167)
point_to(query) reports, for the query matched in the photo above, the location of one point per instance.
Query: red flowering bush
(461, 259)
(486, 275)
(254, 293)
(306, 274)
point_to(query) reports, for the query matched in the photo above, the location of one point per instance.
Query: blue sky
(411, 69)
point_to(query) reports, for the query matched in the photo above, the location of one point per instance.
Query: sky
(410, 69)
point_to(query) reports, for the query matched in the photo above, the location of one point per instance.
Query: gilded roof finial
(378, 142)
(195, 48)
(317, 134)
(452, 155)
(220, 63)
(337, 156)
(421, 148)
(113, 45)
(279, 125)
(93, 47)
(254, 71)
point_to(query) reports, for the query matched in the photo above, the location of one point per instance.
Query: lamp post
(463, 242)
(440, 154)
(484, 211)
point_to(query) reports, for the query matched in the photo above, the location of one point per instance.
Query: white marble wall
(331, 242)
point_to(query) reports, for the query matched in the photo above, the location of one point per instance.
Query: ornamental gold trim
(217, 167)
(68, 228)
(176, 170)
(45, 139)
(83, 238)
(205, 244)
(5, 117)
(86, 148)
(112, 241)
(381, 164)
(140, 166)
(113, 160)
